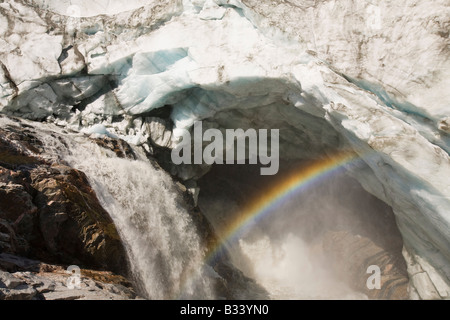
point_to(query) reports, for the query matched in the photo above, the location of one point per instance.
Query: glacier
(331, 75)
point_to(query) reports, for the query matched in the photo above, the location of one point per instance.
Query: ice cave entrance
(318, 242)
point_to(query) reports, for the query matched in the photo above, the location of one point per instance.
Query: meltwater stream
(164, 250)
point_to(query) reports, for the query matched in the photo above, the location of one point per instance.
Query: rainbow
(262, 206)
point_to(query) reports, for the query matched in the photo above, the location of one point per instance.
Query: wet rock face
(49, 211)
(76, 226)
(119, 147)
(352, 255)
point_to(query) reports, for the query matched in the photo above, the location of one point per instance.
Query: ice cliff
(368, 76)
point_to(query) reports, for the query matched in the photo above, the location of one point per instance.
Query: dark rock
(18, 148)
(15, 202)
(76, 226)
(12, 263)
(121, 148)
(236, 286)
(7, 237)
(48, 211)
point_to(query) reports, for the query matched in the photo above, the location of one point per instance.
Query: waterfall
(163, 247)
(282, 254)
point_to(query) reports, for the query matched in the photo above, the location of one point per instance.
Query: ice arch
(230, 64)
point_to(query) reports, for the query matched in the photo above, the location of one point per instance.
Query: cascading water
(163, 247)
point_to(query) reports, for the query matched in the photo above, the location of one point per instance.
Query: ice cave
(101, 92)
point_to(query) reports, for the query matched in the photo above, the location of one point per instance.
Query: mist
(302, 249)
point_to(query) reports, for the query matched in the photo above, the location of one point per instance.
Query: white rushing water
(164, 249)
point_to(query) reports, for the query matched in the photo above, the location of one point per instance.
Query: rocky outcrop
(234, 285)
(26, 279)
(49, 211)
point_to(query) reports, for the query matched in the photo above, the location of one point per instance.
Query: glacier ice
(373, 78)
